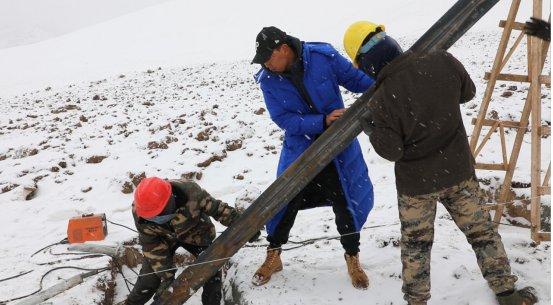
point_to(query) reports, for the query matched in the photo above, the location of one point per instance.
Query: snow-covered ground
(178, 76)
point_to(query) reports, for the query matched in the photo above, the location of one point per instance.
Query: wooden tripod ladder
(537, 52)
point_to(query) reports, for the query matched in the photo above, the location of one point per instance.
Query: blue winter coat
(324, 71)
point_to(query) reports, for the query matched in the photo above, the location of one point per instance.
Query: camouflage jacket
(191, 225)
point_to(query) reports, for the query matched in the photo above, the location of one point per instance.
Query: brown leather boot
(358, 277)
(271, 265)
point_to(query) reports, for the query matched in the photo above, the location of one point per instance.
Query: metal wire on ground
(299, 245)
(16, 276)
(120, 225)
(71, 259)
(61, 242)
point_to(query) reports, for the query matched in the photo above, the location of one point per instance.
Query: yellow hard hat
(356, 33)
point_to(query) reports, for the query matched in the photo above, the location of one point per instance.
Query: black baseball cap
(267, 40)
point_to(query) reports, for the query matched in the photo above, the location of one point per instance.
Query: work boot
(271, 265)
(358, 277)
(524, 296)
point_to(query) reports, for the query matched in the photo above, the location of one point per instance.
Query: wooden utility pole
(536, 52)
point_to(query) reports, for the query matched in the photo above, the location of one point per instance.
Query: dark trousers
(147, 285)
(325, 188)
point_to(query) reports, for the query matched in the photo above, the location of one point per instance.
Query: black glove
(368, 125)
(255, 237)
(164, 285)
(538, 28)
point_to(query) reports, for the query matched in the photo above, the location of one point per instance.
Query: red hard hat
(151, 196)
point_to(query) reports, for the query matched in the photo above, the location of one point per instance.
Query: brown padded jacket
(418, 124)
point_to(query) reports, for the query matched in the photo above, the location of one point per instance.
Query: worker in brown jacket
(416, 122)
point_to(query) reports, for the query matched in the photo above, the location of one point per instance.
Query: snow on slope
(119, 119)
(194, 112)
(185, 32)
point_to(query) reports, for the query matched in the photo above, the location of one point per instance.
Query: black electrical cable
(306, 242)
(120, 270)
(16, 276)
(133, 271)
(118, 224)
(45, 274)
(61, 242)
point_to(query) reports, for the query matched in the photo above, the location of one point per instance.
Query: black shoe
(524, 296)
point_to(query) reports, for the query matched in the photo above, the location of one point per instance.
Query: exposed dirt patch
(136, 178)
(212, 159)
(98, 97)
(507, 94)
(234, 145)
(157, 145)
(520, 185)
(192, 176)
(127, 187)
(95, 159)
(8, 188)
(65, 109)
(29, 192)
(25, 152)
(203, 135)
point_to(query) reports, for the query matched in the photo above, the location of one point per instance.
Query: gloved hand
(538, 28)
(255, 237)
(164, 285)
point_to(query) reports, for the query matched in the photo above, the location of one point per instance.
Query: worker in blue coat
(300, 84)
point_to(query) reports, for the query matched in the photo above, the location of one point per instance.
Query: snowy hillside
(86, 112)
(178, 33)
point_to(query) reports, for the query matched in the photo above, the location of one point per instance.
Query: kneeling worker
(168, 215)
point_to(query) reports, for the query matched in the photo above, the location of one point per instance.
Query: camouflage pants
(463, 202)
(148, 282)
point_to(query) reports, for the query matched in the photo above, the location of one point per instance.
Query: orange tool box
(87, 227)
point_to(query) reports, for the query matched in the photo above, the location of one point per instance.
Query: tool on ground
(87, 227)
